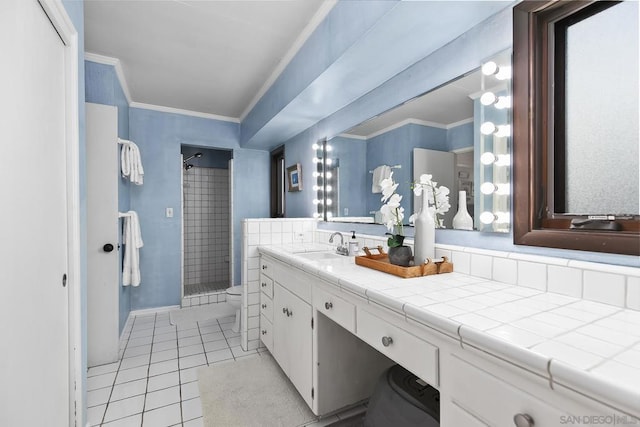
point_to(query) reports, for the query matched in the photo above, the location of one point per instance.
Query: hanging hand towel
(132, 240)
(380, 173)
(131, 162)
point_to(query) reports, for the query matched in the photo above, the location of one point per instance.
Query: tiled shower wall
(206, 228)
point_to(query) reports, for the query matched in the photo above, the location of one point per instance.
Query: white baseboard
(153, 310)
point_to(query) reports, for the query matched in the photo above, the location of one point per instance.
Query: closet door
(102, 235)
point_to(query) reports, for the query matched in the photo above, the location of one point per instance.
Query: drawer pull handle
(387, 341)
(284, 310)
(264, 267)
(264, 332)
(264, 285)
(264, 305)
(523, 420)
(328, 305)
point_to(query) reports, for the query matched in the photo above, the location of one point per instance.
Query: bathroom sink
(320, 255)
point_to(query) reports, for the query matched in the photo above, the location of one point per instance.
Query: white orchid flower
(388, 187)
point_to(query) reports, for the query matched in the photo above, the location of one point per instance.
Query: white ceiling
(213, 57)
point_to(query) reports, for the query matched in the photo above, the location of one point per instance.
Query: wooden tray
(380, 262)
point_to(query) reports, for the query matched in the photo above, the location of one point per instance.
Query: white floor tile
(164, 355)
(164, 345)
(95, 414)
(163, 367)
(98, 397)
(165, 337)
(186, 333)
(191, 409)
(213, 336)
(132, 421)
(124, 408)
(133, 374)
(219, 355)
(233, 341)
(141, 333)
(134, 362)
(190, 350)
(164, 330)
(215, 345)
(103, 369)
(192, 361)
(162, 417)
(189, 375)
(164, 397)
(189, 390)
(209, 329)
(198, 422)
(142, 350)
(186, 342)
(100, 381)
(135, 342)
(163, 381)
(239, 352)
(129, 389)
(187, 325)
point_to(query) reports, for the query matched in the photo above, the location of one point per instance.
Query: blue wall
(160, 136)
(103, 87)
(459, 137)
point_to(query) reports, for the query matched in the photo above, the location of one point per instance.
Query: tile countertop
(588, 346)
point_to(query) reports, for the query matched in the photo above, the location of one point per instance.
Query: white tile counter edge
(622, 396)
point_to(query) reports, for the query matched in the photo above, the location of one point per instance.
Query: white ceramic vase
(462, 220)
(425, 233)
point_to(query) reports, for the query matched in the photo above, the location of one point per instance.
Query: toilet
(234, 297)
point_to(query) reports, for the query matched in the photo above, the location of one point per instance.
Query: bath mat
(250, 392)
(201, 312)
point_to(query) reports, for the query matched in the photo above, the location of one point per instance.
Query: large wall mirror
(458, 132)
(576, 145)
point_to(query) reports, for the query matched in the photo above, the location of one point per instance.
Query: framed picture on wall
(295, 177)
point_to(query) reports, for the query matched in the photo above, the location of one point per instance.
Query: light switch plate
(169, 212)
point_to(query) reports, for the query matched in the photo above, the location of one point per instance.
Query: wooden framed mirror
(547, 116)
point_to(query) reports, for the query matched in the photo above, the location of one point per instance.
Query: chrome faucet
(341, 249)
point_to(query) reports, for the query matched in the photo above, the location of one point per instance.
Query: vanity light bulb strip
(500, 102)
(502, 72)
(488, 128)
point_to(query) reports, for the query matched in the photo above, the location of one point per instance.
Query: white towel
(131, 162)
(380, 173)
(132, 240)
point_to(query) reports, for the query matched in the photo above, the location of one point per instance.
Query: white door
(440, 164)
(34, 324)
(102, 234)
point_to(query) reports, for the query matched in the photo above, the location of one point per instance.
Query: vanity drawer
(415, 354)
(496, 402)
(266, 307)
(266, 333)
(335, 308)
(266, 285)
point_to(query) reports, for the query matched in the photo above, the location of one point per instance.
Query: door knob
(108, 247)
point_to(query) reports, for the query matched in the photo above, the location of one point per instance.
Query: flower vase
(425, 233)
(462, 220)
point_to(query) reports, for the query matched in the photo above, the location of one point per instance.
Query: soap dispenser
(353, 244)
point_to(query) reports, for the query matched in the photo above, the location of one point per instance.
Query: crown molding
(348, 135)
(459, 123)
(172, 110)
(115, 62)
(317, 18)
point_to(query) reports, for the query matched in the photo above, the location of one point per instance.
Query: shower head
(188, 166)
(197, 155)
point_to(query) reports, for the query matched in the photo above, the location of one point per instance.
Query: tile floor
(155, 382)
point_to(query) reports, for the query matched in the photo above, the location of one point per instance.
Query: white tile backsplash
(565, 280)
(532, 275)
(633, 293)
(505, 270)
(481, 265)
(602, 287)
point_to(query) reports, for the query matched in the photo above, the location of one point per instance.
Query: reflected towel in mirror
(380, 173)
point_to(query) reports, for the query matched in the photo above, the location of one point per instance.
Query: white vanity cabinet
(480, 390)
(292, 339)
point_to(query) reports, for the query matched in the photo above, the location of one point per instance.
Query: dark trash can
(402, 399)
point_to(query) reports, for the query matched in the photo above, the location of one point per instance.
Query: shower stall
(206, 225)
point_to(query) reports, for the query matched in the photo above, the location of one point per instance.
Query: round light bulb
(315, 146)
(316, 201)
(487, 158)
(329, 215)
(503, 73)
(488, 98)
(503, 131)
(487, 217)
(487, 128)
(488, 188)
(329, 188)
(328, 175)
(489, 68)
(503, 102)
(329, 161)
(329, 202)
(329, 148)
